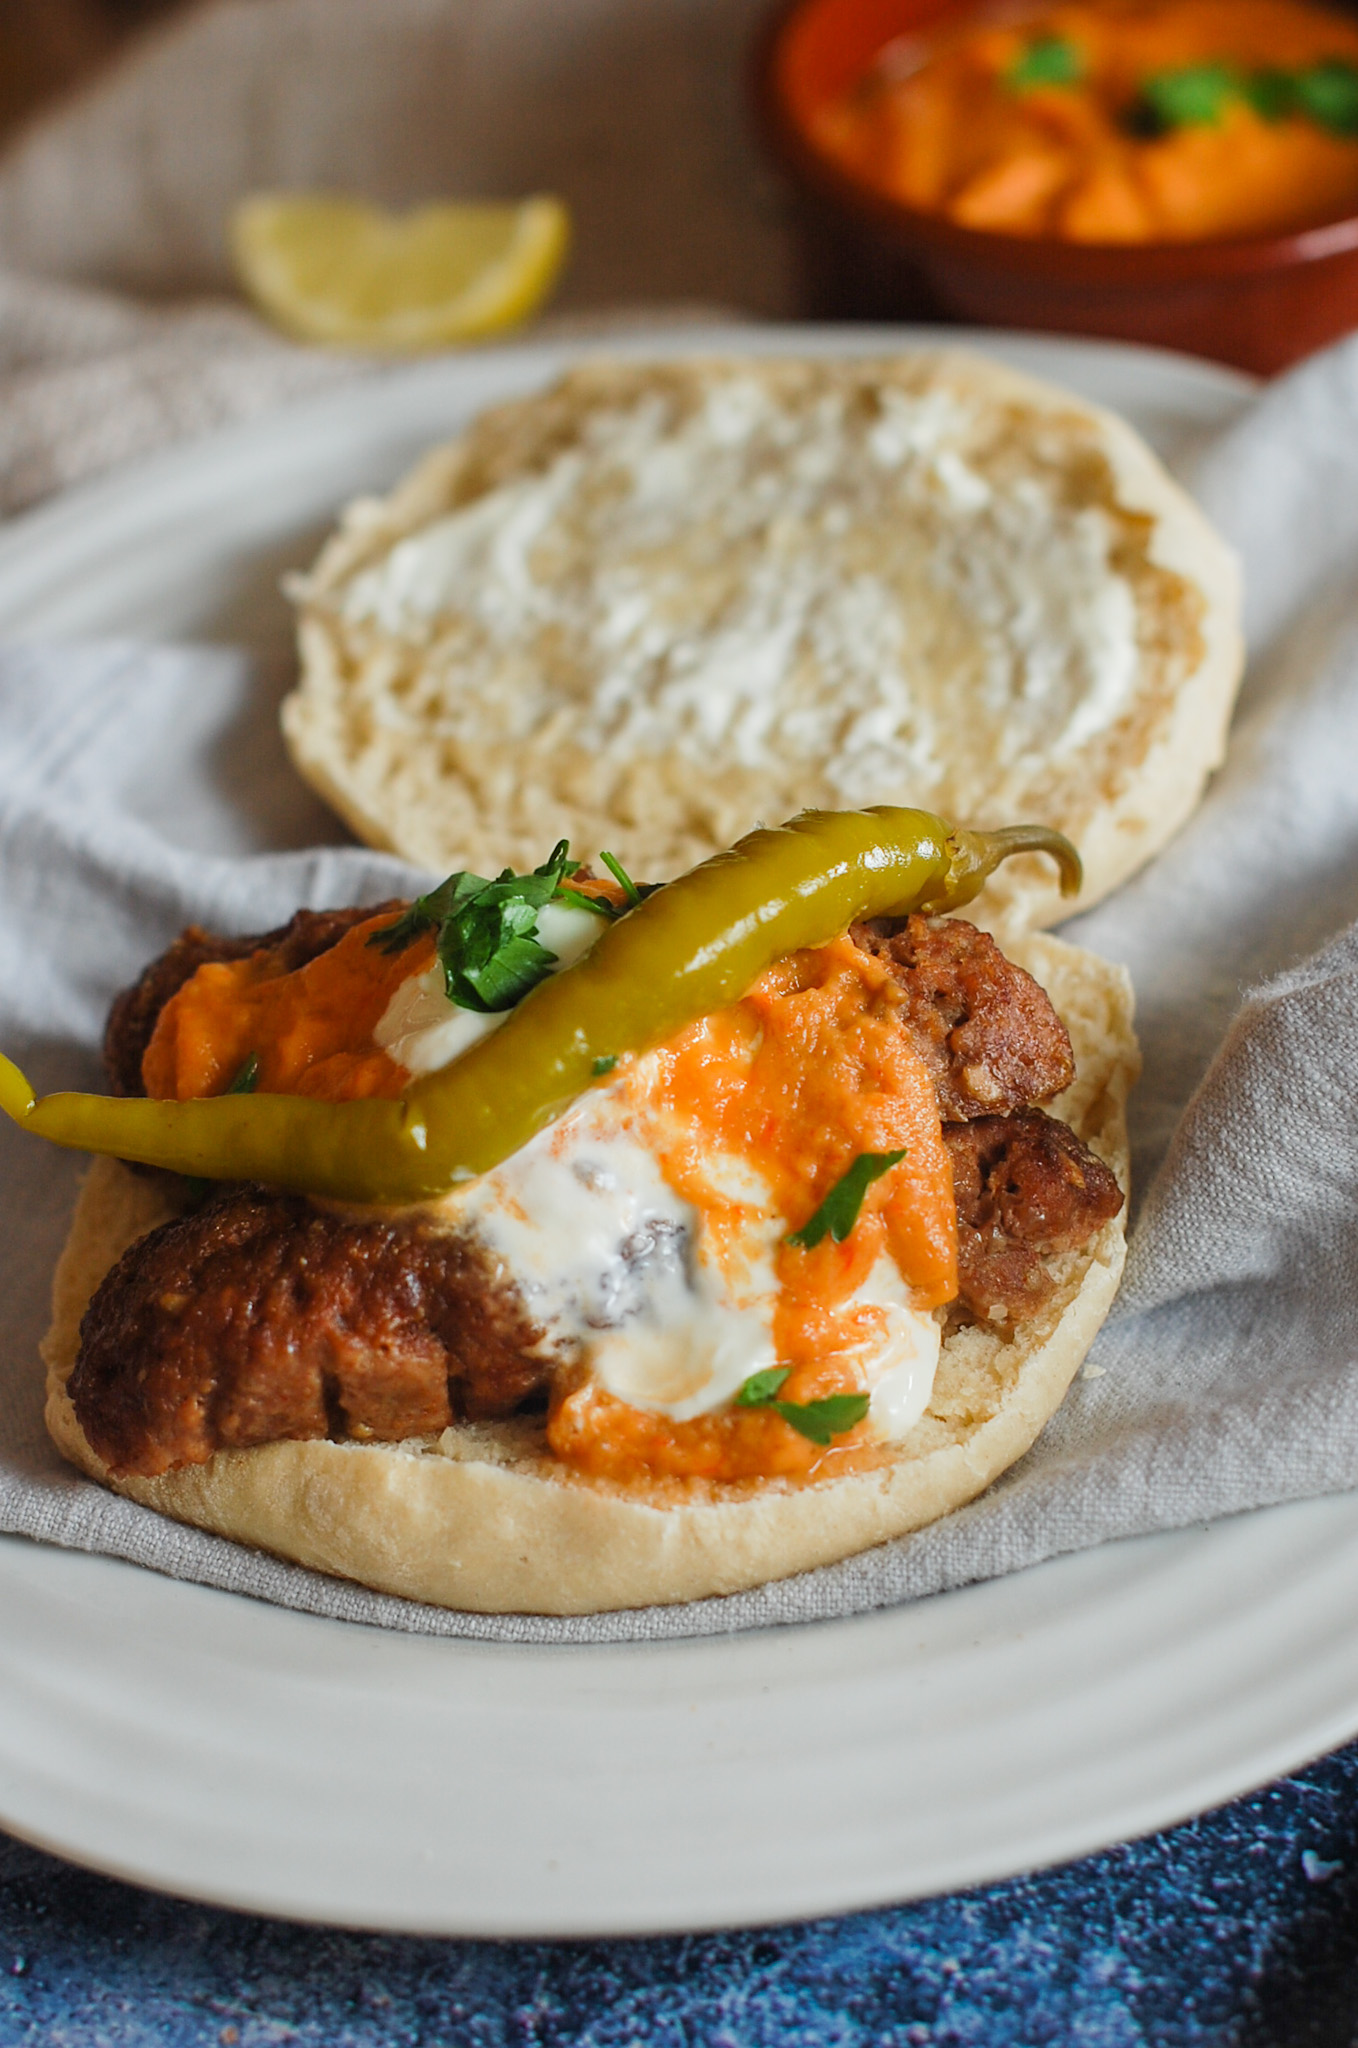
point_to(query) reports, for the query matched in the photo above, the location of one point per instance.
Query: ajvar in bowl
(1178, 172)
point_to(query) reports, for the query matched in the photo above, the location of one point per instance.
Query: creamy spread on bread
(660, 601)
(701, 580)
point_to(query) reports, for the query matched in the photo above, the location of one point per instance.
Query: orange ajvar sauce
(945, 128)
(311, 1031)
(807, 1071)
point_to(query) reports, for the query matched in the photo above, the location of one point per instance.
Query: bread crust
(370, 726)
(483, 1520)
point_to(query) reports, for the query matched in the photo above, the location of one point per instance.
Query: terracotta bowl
(1259, 303)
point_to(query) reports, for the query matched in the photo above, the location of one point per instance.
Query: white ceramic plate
(236, 1752)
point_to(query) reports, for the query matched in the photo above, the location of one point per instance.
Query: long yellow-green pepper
(694, 946)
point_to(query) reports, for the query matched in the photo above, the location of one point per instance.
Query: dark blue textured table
(1240, 1928)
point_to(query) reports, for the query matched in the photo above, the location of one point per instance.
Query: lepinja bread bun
(660, 602)
(180, 1330)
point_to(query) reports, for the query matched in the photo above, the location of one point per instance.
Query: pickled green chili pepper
(696, 945)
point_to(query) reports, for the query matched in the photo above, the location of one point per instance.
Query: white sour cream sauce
(422, 1031)
(621, 1271)
(616, 1267)
(803, 648)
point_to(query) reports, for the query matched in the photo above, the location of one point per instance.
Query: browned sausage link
(261, 1318)
(1026, 1187)
(986, 1031)
(132, 1020)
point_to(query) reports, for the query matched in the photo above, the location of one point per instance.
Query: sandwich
(662, 601)
(558, 1244)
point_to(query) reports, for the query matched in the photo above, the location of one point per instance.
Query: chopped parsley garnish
(1328, 94)
(838, 1213)
(578, 900)
(1196, 95)
(621, 877)
(488, 942)
(762, 1387)
(1272, 94)
(605, 1063)
(819, 1421)
(1050, 60)
(489, 950)
(427, 913)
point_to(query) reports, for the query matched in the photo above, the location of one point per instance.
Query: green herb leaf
(578, 900)
(823, 1421)
(487, 931)
(426, 913)
(488, 942)
(1327, 93)
(1050, 60)
(760, 1388)
(820, 1421)
(558, 861)
(621, 876)
(838, 1213)
(1272, 94)
(1196, 95)
(605, 1063)
(564, 867)
(488, 949)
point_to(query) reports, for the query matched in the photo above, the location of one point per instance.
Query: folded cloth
(89, 379)
(1228, 1374)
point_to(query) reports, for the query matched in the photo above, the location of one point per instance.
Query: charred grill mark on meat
(261, 1317)
(1026, 1188)
(984, 1028)
(132, 1020)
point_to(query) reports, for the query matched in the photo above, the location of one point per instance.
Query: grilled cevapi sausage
(261, 1316)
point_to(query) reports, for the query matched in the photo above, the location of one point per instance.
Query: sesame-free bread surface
(661, 602)
(482, 1518)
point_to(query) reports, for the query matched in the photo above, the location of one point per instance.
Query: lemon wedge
(337, 270)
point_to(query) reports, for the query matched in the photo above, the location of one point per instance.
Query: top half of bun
(660, 602)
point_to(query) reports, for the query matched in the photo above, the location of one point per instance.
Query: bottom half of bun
(484, 1519)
